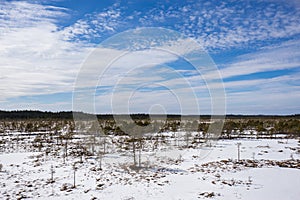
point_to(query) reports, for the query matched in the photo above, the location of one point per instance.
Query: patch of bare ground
(233, 165)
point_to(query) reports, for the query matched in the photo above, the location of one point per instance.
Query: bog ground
(266, 169)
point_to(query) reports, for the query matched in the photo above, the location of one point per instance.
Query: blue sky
(255, 45)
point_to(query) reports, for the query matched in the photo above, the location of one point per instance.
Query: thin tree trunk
(133, 148)
(140, 152)
(104, 145)
(74, 177)
(66, 148)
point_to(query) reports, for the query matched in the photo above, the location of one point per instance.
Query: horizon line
(141, 113)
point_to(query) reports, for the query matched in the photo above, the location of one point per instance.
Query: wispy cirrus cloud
(40, 56)
(278, 94)
(18, 14)
(35, 58)
(283, 56)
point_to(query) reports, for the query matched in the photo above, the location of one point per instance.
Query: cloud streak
(35, 59)
(41, 53)
(284, 56)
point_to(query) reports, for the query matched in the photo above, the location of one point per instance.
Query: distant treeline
(68, 115)
(22, 115)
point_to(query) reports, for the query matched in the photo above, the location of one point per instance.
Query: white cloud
(95, 24)
(265, 101)
(35, 59)
(229, 24)
(221, 25)
(284, 56)
(172, 100)
(38, 105)
(16, 14)
(38, 57)
(278, 95)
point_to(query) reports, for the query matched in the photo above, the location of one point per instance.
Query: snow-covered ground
(268, 169)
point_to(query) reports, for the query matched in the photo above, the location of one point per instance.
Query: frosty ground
(267, 169)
